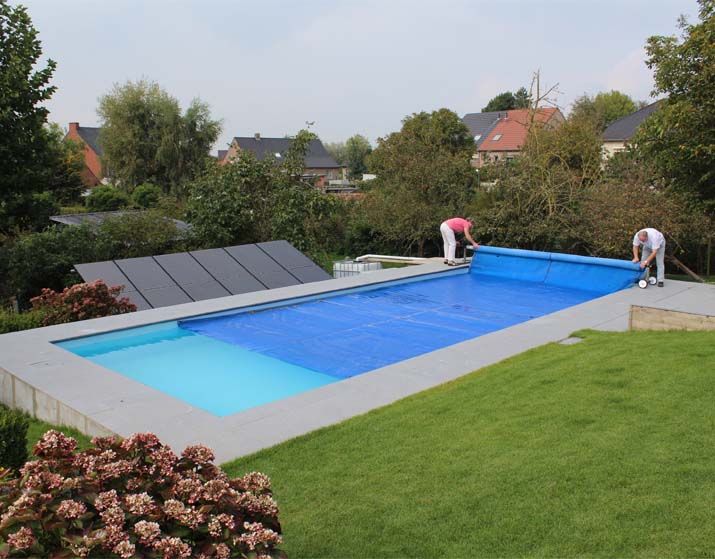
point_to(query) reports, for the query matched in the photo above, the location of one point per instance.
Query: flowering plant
(80, 302)
(134, 498)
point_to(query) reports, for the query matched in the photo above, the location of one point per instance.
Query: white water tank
(345, 268)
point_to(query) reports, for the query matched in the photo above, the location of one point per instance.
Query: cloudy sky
(349, 66)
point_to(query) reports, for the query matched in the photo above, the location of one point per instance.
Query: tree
(536, 203)
(502, 102)
(336, 151)
(145, 138)
(249, 200)
(522, 99)
(357, 149)
(23, 89)
(680, 136)
(423, 177)
(604, 108)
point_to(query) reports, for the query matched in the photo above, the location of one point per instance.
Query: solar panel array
(171, 279)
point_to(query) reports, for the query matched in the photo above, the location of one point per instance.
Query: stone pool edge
(55, 385)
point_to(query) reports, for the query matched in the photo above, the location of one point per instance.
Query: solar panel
(110, 274)
(145, 273)
(229, 273)
(286, 254)
(172, 279)
(263, 267)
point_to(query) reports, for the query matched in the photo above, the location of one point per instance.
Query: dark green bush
(11, 321)
(45, 259)
(13, 438)
(146, 196)
(107, 199)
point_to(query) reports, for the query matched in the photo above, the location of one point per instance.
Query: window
(496, 138)
(477, 137)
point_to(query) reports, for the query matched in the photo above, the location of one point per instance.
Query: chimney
(74, 126)
(257, 136)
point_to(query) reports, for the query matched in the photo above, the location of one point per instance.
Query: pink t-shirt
(457, 224)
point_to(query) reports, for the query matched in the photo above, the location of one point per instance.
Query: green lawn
(603, 448)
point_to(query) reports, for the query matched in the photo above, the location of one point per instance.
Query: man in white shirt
(653, 244)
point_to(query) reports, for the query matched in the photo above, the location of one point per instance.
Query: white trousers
(450, 243)
(659, 260)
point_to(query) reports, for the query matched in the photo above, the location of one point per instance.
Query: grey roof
(316, 158)
(183, 277)
(480, 124)
(625, 127)
(91, 137)
(95, 219)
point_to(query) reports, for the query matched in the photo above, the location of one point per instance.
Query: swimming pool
(238, 360)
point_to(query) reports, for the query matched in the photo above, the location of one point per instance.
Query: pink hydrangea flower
(22, 539)
(70, 509)
(198, 454)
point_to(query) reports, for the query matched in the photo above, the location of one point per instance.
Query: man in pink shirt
(448, 229)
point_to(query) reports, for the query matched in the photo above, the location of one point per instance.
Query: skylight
(496, 137)
(477, 137)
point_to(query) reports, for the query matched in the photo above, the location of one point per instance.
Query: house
(92, 174)
(619, 132)
(500, 135)
(320, 167)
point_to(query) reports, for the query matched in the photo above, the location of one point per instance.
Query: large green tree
(603, 108)
(507, 101)
(249, 200)
(145, 138)
(24, 86)
(680, 136)
(423, 177)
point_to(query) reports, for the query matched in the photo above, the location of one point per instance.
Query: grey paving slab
(104, 401)
(145, 273)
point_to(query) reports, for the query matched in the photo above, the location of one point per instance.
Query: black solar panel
(228, 272)
(110, 274)
(263, 267)
(172, 279)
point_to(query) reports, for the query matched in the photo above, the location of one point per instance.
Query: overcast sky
(349, 66)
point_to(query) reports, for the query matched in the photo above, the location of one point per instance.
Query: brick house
(92, 174)
(499, 135)
(320, 167)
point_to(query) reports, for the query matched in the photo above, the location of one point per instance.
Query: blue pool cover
(346, 335)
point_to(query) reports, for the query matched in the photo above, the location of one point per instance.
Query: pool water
(230, 363)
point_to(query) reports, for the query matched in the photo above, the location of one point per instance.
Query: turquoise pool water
(240, 360)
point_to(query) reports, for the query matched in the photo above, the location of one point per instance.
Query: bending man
(653, 248)
(448, 229)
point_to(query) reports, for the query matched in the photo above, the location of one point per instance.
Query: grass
(685, 277)
(599, 449)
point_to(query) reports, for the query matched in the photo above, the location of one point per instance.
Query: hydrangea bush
(134, 498)
(80, 302)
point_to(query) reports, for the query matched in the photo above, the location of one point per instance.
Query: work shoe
(451, 263)
(660, 284)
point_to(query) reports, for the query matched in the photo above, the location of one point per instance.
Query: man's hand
(644, 264)
(475, 246)
(635, 260)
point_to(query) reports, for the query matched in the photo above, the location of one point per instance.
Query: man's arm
(636, 258)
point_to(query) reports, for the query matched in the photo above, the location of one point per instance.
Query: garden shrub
(13, 438)
(146, 196)
(10, 321)
(134, 498)
(80, 302)
(45, 259)
(106, 199)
